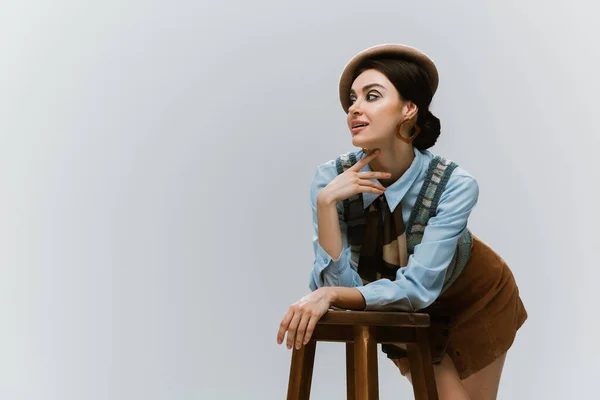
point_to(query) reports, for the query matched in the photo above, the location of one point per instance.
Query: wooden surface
(365, 364)
(381, 334)
(350, 383)
(301, 372)
(421, 368)
(361, 331)
(374, 318)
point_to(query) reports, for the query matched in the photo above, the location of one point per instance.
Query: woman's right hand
(352, 181)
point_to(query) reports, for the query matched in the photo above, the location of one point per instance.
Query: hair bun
(430, 130)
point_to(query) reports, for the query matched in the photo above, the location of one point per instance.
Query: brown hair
(411, 81)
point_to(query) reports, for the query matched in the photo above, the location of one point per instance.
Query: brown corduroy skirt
(476, 319)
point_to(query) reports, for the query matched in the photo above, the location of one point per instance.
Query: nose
(354, 108)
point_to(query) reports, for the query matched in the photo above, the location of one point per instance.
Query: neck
(395, 161)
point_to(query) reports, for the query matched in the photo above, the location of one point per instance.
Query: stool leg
(421, 367)
(301, 371)
(350, 386)
(365, 364)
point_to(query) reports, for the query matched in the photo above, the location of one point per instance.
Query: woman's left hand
(302, 317)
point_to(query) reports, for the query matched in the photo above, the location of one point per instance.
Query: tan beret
(393, 50)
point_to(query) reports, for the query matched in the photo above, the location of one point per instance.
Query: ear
(411, 110)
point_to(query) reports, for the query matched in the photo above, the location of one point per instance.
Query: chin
(357, 142)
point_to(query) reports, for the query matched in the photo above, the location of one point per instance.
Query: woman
(406, 245)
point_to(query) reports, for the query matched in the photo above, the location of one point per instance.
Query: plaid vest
(438, 173)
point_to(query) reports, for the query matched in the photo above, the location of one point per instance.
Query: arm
(328, 276)
(419, 283)
(329, 233)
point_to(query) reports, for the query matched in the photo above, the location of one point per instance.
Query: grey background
(155, 161)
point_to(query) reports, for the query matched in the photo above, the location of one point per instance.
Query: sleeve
(327, 271)
(419, 283)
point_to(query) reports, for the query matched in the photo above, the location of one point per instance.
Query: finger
(371, 188)
(291, 334)
(373, 175)
(283, 326)
(368, 189)
(301, 329)
(310, 329)
(366, 182)
(363, 161)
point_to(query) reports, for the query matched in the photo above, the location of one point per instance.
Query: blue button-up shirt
(419, 283)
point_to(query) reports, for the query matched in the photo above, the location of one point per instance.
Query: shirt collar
(397, 190)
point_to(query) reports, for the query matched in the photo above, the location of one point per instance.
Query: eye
(368, 95)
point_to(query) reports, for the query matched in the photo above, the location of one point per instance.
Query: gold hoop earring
(410, 139)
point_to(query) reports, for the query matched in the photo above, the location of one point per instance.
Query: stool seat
(361, 331)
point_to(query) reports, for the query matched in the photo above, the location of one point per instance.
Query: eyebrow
(370, 85)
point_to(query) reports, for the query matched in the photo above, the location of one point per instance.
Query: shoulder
(458, 173)
(461, 183)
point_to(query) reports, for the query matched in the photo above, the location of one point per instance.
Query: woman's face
(376, 102)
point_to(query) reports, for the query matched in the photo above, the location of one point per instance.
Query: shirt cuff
(324, 260)
(330, 272)
(384, 294)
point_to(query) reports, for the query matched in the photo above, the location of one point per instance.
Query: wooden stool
(361, 331)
